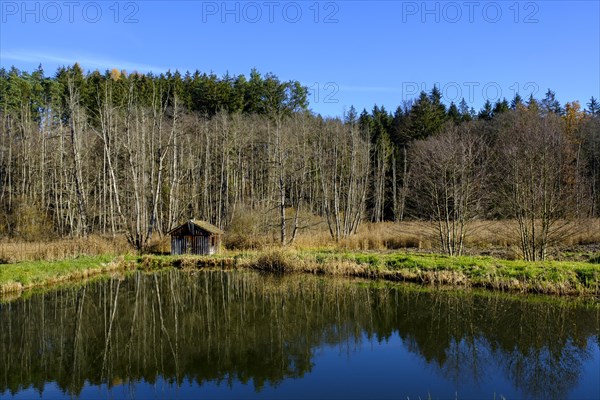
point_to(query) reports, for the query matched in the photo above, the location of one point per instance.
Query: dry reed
(496, 238)
(12, 251)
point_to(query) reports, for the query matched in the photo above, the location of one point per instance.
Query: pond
(216, 334)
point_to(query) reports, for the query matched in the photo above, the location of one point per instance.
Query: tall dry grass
(12, 251)
(499, 238)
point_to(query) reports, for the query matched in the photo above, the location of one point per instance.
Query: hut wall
(191, 239)
(177, 245)
(189, 244)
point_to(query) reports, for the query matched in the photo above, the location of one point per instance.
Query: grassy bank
(551, 277)
(26, 275)
(33, 274)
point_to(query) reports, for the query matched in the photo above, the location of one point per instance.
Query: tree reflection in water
(225, 327)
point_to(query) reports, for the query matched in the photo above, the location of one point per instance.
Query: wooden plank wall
(192, 245)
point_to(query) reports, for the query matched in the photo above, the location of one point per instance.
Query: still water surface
(238, 335)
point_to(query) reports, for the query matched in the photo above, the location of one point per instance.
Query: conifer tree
(549, 104)
(500, 107)
(486, 112)
(593, 107)
(516, 102)
(465, 113)
(454, 114)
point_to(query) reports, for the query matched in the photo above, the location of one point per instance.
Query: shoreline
(554, 278)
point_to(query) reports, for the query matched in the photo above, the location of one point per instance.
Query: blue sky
(357, 53)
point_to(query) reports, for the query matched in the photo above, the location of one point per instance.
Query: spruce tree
(516, 102)
(454, 114)
(465, 112)
(486, 112)
(426, 117)
(593, 107)
(500, 107)
(550, 105)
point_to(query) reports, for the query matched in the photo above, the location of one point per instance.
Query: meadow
(401, 252)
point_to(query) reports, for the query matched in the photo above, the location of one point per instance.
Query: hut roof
(205, 226)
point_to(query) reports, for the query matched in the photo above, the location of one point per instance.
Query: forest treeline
(116, 153)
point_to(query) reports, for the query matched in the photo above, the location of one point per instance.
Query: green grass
(30, 274)
(549, 277)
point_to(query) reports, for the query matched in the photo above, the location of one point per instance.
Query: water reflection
(228, 327)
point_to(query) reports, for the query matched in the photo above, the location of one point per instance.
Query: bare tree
(342, 156)
(448, 176)
(591, 153)
(77, 123)
(535, 181)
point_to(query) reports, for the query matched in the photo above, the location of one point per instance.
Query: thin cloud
(86, 62)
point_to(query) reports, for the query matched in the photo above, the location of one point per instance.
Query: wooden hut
(195, 237)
